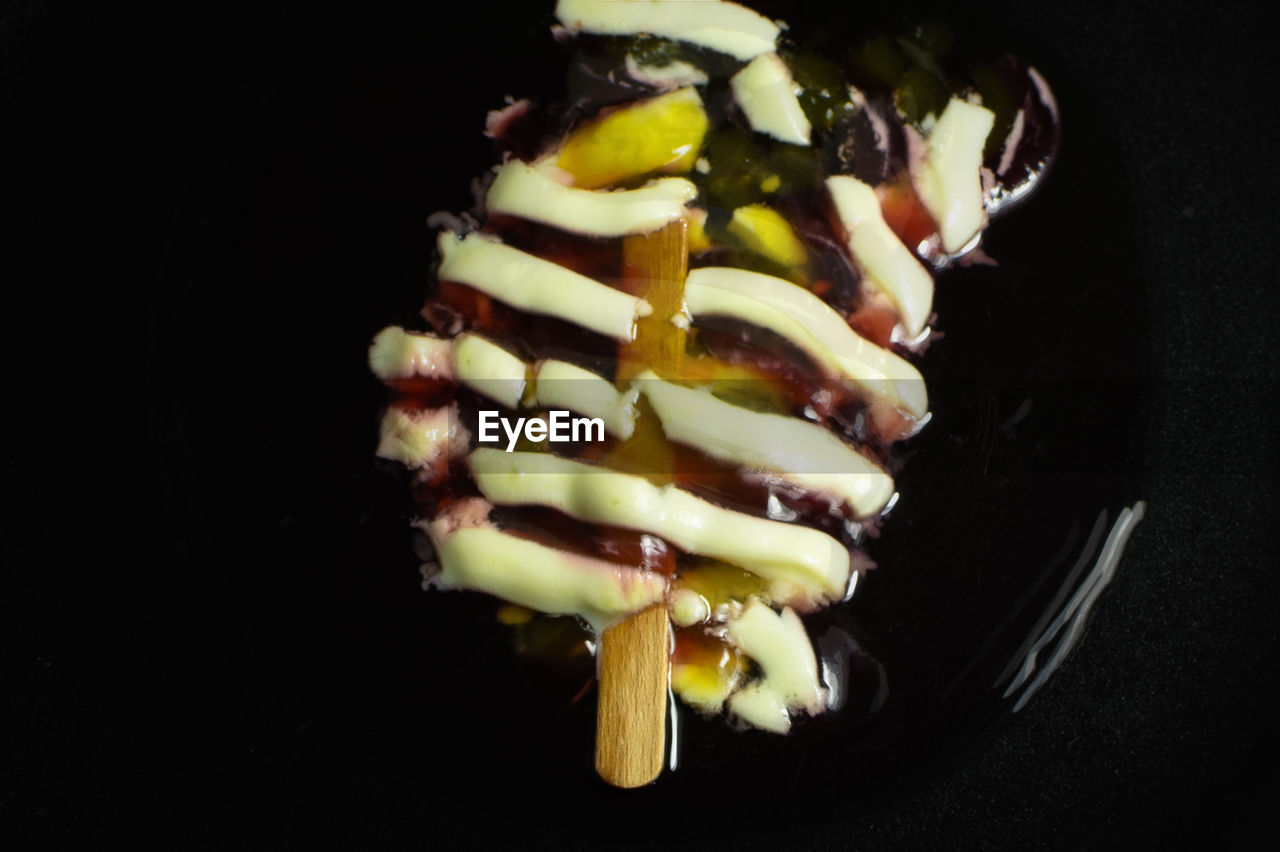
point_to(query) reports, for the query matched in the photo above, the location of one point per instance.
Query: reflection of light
(836, 648)
(652, 547)
(673, 728)
(1073, 614)
(779, 512)
(853, 584)
(673, 714)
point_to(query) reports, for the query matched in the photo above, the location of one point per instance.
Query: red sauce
(590, 256)
(875, 323)
(905, 214)
(596, 541)
(418, 392)
(530, 335)
(696, 647)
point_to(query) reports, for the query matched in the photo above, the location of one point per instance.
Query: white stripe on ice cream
(398, 354)
(420, 439)
(534, 194)
(538, 286)
(563, 385)
(948, 180)
(724, 27)
(799, 452)
(490, 370)
(889, 265)
(812, 325)
(767, 94)
(779, 644)
(475, 555)
(497, 374)
(796, 559)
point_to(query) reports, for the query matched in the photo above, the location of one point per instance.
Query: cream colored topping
(724, 27)
(475, 555)
(419, 439)
(800, 562)
(948, 181)
(490, 370)
(538, 286)
(767, 94)
(779, 644)
(889, 265)
(563, 385)
(535, 194)
(397, 354)
(497, 374)
(673, 75)
(812, 325)
(687, 608)
(798, 451)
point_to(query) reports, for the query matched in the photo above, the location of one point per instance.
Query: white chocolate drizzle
(538, 286)
(421, 439)
(779, 644)
(889, 265)
(947, 180)
(725, 27)
(766, 92)
(802, 563)
(536, 195)
(812, 325)
(797, 451)
(476, 555)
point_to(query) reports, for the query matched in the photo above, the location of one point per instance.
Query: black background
(160, 693)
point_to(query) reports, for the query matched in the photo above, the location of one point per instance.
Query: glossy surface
(159, 702)
(1011, 464)
(613, 144)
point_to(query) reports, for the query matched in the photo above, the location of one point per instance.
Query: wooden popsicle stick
(657, 264)
(631, 715)
(634, 661)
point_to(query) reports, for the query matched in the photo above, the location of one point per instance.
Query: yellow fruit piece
(698, 239)
(511, 615)
(707, 676)
(719, 582)
(701, 687)
(660, 134)
(762, 230)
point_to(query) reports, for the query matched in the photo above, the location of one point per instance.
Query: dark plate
(314, 237)
(250, 659)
